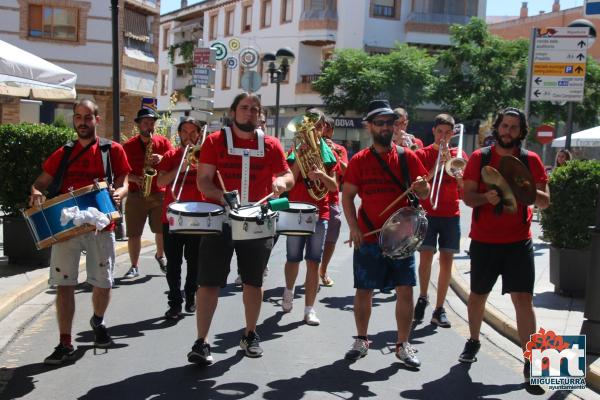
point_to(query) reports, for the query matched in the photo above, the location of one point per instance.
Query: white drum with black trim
(298, 220)
(249, 223)
(197, 218)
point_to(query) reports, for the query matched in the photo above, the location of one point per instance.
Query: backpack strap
(54, 187)
(486, 156)
(524, 158)
(412, 199)
(105, 146)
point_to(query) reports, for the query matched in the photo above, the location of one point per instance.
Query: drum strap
(486, 157)
(412, 199)
(245, 154)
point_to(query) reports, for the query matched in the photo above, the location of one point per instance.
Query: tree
(352, 78)
(481, 72)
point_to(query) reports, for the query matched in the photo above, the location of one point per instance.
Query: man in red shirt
(296, 245)
(501, 243)
(401, 137)
(443, 220)
(84, 165)
(178, 245)
(254, 165)
(376, 175)
(139, 208)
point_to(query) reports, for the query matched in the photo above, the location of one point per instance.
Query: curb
(508, 328)
(14, 299)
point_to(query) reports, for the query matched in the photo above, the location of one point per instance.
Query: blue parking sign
(592, 7)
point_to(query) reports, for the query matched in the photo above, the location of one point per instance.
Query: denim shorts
(314, 244)
(442, 230)
(334, 224)
(372, 270)
(99, 260)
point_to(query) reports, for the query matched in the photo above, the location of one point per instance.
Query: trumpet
(191, 154)
(453, 166)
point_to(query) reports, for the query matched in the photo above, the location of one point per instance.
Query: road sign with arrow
(559, 64)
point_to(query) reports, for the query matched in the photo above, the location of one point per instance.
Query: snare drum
(196, 218)
(44, 222)
(298, 220)
(249, 223)
(403, 233)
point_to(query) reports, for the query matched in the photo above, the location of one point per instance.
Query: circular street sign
(489, 141)
(234, 44)
(251, 81)
(249, 57)
(231, 62)
(221, 50)
(544, 134)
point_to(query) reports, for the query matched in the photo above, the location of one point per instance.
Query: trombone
(191, 154)
(453, 166)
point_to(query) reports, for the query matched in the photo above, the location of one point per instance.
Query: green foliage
(60, 121)
(186, 49)
(481, 72)
(23, 148)
(573, 197)
(352, 78)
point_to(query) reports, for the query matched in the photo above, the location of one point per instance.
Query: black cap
(379, 107)
(146, 113)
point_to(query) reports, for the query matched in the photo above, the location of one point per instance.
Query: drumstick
(263, 199)
(393, 203)
(221, 181)
(366, 234)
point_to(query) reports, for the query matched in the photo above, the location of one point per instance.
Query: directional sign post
(203, 76)
(591, 7)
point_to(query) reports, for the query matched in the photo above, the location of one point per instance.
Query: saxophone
(308, 156)
(149, 172)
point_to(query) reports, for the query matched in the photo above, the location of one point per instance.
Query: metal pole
(116, 73)
(529, 76)
(277, 107)
(569, 126)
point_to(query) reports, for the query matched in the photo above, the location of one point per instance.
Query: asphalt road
(149, 361)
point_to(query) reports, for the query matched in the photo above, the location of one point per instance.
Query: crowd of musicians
(239, 165)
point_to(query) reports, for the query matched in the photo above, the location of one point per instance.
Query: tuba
(308, 153)
(149, 172)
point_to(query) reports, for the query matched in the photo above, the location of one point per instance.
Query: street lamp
(278, 66)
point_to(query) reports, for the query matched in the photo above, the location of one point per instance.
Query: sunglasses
(380, 123)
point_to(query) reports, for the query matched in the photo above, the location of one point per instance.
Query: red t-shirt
(171, 160)
(300, 193)
(262, 169)
(136, 154)
(334, 197)
(87, 167)
(506, 227)
(449, 197)
(376, 188)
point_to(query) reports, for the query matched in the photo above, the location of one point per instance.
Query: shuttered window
(53, 22)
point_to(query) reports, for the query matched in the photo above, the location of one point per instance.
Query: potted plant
(23, 148)
(573, 197)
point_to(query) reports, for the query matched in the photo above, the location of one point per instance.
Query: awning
(23, 74)
(586, 138)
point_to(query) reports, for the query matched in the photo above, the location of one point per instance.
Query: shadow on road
(134, 329)
(346, 303)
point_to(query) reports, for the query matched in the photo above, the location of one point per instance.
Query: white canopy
(23, 74)
(587, 138)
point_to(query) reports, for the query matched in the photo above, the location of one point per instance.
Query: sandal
(327, 281)
(162, 263)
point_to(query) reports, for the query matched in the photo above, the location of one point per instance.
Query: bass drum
(403, 233)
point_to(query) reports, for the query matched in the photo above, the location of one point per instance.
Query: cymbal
(492, 178)
(519, 179)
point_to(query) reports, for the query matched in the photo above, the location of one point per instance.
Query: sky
(494, 7)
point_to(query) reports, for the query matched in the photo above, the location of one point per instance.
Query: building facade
(312, 29)
(76, 35)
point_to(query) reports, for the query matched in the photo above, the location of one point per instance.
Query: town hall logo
(556, 361)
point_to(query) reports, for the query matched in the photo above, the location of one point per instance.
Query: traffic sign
(249, 57)
(251, 81)
(203, 76)
(591, 7)
(231, 62)
(220, 49)
(558, 72)
(544, 134)
(201, 115)
(202, 104)
(203, 92)
(204, 56)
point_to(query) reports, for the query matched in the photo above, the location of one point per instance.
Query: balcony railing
(384, 11)
(433, 18)
(309, 78)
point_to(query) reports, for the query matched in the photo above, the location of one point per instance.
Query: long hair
(513, 112)
(242, 96)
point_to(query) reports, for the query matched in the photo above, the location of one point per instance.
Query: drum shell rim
(235, 216)
(297, 210)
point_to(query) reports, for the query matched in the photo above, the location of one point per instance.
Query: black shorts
(216, 251)
(514, 261)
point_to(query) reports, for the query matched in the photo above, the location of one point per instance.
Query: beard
(247, 127)
(84, 132)
(506, 145)
(383, 138)
(147, 133)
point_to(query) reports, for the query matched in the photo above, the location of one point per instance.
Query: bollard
(591, 324)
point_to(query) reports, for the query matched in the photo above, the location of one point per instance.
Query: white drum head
(300, 207)
(195, 207)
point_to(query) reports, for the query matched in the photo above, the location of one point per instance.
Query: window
(265, 14)
(247, 18)
(53, 22)
(384, 8)
(164, 82)
(180, 72)
(166, 33)
(287, 7)
(264, 75)
(213, 27)
(315, 5)
(229, 20)
(138, 35)
(225, 77)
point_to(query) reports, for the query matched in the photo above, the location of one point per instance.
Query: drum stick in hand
(393, 203)
(221, 181)
(263, 199)
(366, 234)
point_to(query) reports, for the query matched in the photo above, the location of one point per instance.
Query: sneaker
(251, 345)
(470, 352)
(422, 303)
(359, 349)
(132, 273)
(287, 303)
(406, 354)
(102, 338)
(173, 313)
(60, 355)
(190, 307)
(162, 263)
(311, 318)
(439, 318)
(327, 281)
(200, 353)
(238, 280)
